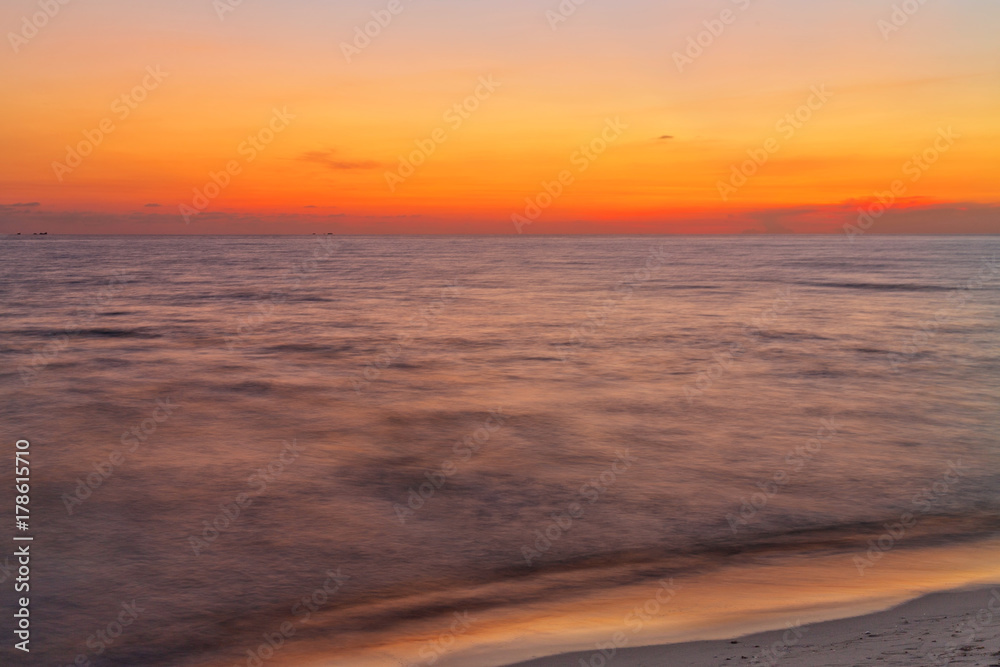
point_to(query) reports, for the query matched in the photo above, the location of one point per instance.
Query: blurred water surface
(692, 400)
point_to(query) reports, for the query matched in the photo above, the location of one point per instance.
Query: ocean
(475, 451)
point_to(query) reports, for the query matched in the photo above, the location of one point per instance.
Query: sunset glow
(495, 101)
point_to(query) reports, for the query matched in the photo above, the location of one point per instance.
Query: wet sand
(951, 628)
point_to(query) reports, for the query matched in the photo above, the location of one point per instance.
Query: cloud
(666, 136)
(327, 159)
(152, 206)
(31, 203)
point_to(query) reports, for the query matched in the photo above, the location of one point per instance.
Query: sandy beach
(952, 628)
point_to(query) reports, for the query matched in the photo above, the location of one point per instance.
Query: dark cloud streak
(327, 159)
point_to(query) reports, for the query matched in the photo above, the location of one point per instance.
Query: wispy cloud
(329, 160)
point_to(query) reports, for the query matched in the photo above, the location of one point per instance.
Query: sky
(499, 116)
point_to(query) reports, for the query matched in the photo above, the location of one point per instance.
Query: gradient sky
(326, 171)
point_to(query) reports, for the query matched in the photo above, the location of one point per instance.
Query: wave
(887, 287)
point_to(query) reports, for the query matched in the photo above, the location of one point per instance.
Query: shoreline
(959, 626)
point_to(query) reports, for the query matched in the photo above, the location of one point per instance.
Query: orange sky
(497, 102)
